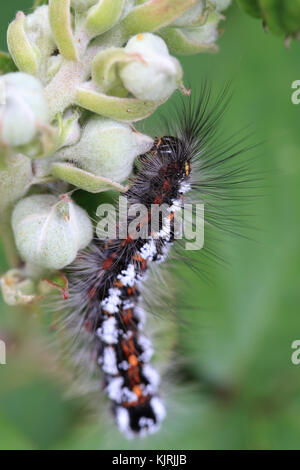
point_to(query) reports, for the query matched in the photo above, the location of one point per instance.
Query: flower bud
(50, 231)
(25, 108)
(153, 76)
(191, 16)
(107, 148)
(69, 128)
(194, 39)
(103, 16)
(206, 34)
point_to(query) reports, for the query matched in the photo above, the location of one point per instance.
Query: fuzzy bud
(194, 39)
(49, 231)
(155, 75)
(24, 108)
(107, 148)
(191, 16)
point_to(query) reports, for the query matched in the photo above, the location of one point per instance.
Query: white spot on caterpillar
(148, 250)
(127, 304)
(147, 426)
(114, 389)
(140, 314)
(164, 253)
(108, 331)
(128, 395)
(109, 363)
(176, 206)
(123, 421)
(151, 375)
(184, 187)
(111, 303)
(146, 346)
(124, 365)
(127, 276)
(158, 409)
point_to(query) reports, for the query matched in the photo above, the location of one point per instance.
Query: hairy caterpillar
(106, 281)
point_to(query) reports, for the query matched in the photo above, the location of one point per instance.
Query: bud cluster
(78, 75)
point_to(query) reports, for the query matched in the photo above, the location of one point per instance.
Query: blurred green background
(232, 385)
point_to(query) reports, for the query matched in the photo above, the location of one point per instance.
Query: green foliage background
(237, 387)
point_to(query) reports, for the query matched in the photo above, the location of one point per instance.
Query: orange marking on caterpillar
(141, 260)
(127, 316)
(127, 240)
(107, 263)
(158, 199)
(137, 390)
(118, 284)
(133, 360)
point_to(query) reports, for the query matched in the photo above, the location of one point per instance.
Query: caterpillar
(106, 280)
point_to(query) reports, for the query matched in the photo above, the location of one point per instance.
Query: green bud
(105, 70)
(49, 231)
(61, 24)
(192, 16)
(192, 40)
(22, 51)
(107, 148)
(69, 128)
(24, 109)
(153, 15)
(154, 75)
(103, 16)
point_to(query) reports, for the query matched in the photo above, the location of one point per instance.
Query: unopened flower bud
(24, 108)
(155, 74)
(206, 34)
(107, 148)
(50, 231)
(191, 16)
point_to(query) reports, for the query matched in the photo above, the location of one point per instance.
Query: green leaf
(7, 64)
